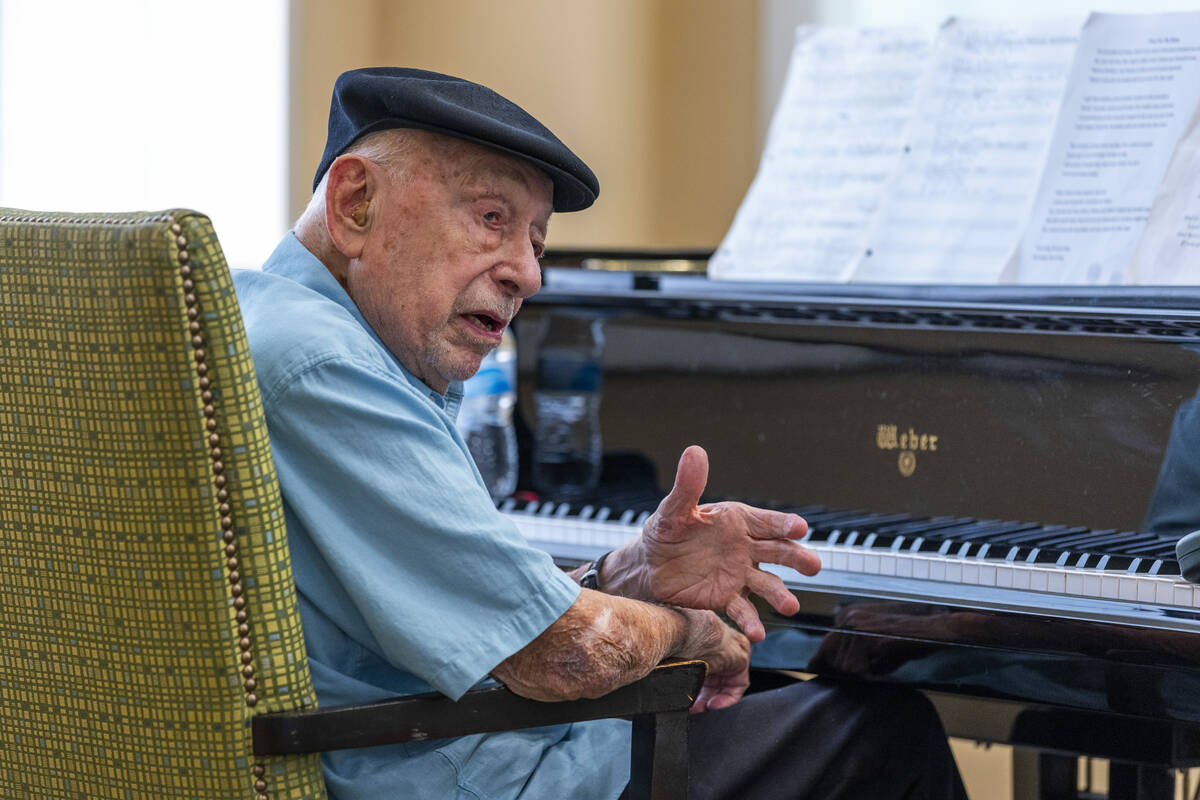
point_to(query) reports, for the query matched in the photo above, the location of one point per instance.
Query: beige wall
(659, 97)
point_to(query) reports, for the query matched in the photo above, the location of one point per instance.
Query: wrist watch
(591, 578)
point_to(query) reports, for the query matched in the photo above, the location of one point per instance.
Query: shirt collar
(294, 261)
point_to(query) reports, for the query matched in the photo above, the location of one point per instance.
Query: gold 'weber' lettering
(889, 437)
(885, 437)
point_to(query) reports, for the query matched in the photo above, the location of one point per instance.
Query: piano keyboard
(1076, 572)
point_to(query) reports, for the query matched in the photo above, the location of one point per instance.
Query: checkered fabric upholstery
(147, 608)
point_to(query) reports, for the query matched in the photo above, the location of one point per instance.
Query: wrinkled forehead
(468, 164)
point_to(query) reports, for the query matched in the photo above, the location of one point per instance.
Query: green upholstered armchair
(150, 644)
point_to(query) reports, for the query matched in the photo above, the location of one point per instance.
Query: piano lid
(1061, 405)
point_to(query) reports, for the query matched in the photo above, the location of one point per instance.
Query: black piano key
(822, 524)
(996, 532)
(1107, 541)
(1114, 563)
(1038, 536)
(830, 517)
(1079, 540)
(1162, 548)
(864, 521)
(1045, 555)
(923, 525)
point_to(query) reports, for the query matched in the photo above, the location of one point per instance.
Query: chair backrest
(147, 607)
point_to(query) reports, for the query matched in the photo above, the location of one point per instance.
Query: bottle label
(558, 374)
(491, 379)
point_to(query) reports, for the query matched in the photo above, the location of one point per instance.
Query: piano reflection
(994, 478)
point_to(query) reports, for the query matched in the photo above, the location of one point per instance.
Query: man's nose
(520, 273)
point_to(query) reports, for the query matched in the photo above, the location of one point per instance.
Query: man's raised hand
(707, 556)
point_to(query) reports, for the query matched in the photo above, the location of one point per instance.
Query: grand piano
(995, 479)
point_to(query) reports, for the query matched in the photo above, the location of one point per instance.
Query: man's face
(451, 253)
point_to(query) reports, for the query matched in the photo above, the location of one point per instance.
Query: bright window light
(128, 105)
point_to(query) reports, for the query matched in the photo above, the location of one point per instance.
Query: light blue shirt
(408, 577)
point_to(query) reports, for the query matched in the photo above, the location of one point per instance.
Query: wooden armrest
(669, 687)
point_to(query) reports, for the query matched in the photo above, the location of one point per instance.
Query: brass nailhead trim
(200, 357)
(236, 588)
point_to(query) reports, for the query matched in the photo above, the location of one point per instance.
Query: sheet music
(832, 145)
(1169, 249)
(1133, 88)
(985, 113)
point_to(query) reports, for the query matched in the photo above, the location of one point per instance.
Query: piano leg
(1037, 775)
(1138, 782)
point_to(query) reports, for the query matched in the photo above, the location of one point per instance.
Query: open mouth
(486, 321)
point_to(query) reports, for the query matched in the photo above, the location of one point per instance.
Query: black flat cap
(378, 98)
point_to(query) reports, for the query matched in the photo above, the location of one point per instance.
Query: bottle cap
(1187, 550)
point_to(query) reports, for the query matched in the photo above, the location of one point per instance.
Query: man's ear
(348, 193)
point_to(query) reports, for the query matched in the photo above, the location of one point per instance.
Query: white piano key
(1183, 594)
(920, 568)
(1022, 578)
(1091, 584)
(987, 575)
(1128, 590)
(1005, 575)
(1145, 590)
(937, 570)
(903, 566)
(887, 564)
(1074, 583)
(1164, 592)
(854, 561)
(954, 572)
(1039, 580)
(1056, 581)
(970, 574)
(837, 560)
(870, 563)
(1110, 586)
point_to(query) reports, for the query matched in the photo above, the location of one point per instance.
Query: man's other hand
(707, 556)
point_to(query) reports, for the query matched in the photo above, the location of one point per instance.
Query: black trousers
(823, 740)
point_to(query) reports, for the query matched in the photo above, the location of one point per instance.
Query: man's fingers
(786, 553)
(691, 476)
(745, 617)
(766, 524)
(772, 589)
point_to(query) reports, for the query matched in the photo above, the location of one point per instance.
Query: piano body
(995, 478)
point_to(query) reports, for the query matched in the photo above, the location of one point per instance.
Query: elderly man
(430, 210)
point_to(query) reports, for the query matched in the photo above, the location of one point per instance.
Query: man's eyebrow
(485, 169)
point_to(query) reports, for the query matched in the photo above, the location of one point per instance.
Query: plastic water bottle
(485, 419)
(567, 449)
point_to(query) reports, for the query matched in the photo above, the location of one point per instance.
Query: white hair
(388, 148)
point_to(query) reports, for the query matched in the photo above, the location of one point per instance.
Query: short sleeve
(392, 504)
